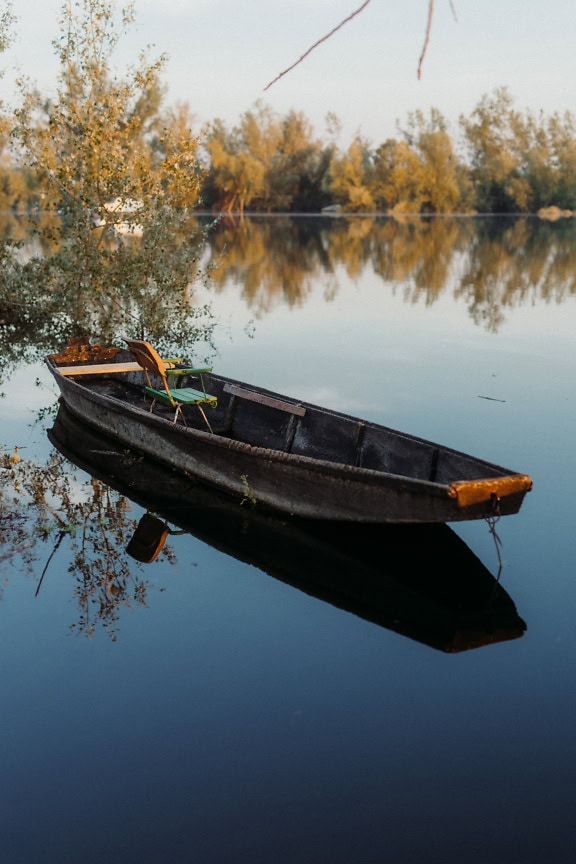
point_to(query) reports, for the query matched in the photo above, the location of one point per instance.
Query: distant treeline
(504, 161)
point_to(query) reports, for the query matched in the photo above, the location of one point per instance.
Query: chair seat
(184, 395)
(151, 362)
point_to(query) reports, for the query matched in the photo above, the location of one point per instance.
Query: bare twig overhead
(426, 37)
(319, 42)
(349, 18)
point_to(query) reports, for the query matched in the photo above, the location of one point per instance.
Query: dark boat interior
(262, 419)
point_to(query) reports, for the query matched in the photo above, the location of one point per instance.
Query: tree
(350, 177)
(300, 166)
(12, 183)
(103, 139)
(235, 177)
(491, 134)
(397, 183)
(267, 162)
(438, 189)
(562, 142)
(176, 154)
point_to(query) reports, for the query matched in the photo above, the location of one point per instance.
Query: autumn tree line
(503, 160)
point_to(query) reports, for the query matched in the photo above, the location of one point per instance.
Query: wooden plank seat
(150, 361)
(104, 368)
(263, 399)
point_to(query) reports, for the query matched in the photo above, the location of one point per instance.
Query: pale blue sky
(222, 53)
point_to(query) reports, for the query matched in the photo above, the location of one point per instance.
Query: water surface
(196, 708)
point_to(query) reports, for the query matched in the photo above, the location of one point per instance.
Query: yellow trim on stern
(469, 492)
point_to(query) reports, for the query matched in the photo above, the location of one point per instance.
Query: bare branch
(349, 18)
(426, 37)
(319, 42)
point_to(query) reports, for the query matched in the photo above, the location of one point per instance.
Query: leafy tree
(303, 163)
(265, 163)
(538, 166)
(109, 164)
(438, 176)
(491, 136)
(351, 176)
(397, 179)
(562, 143)
(235, 177)
(261, 137)
(176, 154)
(12, 182)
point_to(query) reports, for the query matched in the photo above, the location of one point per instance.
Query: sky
(223, 53)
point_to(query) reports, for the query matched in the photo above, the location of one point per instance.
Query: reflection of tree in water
(509, 264)
(44, 508)
(419, 254)
(492, 264)
(274, 260)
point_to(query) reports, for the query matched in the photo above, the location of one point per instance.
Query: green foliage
(265, 163)
(121, 179)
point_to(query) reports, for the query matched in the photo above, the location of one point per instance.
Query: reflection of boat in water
(421, 581)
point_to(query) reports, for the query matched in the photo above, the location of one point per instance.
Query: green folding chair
(151, 362)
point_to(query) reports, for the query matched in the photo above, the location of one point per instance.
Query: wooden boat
(281, 452)
(420, 581)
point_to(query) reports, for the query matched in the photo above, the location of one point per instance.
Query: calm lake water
(199, 709)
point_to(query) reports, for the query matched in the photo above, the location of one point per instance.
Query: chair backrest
(149, 360)
(148, 539)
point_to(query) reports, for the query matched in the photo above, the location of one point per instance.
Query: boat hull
(296, 484)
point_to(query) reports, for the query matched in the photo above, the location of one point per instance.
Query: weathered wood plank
(102, 368)
(262, 399)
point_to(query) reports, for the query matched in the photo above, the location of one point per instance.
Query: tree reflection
(493, 265)
(47, 510)
(274, 260)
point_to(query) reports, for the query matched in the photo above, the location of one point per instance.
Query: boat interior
(262, 419)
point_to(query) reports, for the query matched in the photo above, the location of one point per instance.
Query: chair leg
(179, 411)
(205, 417)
